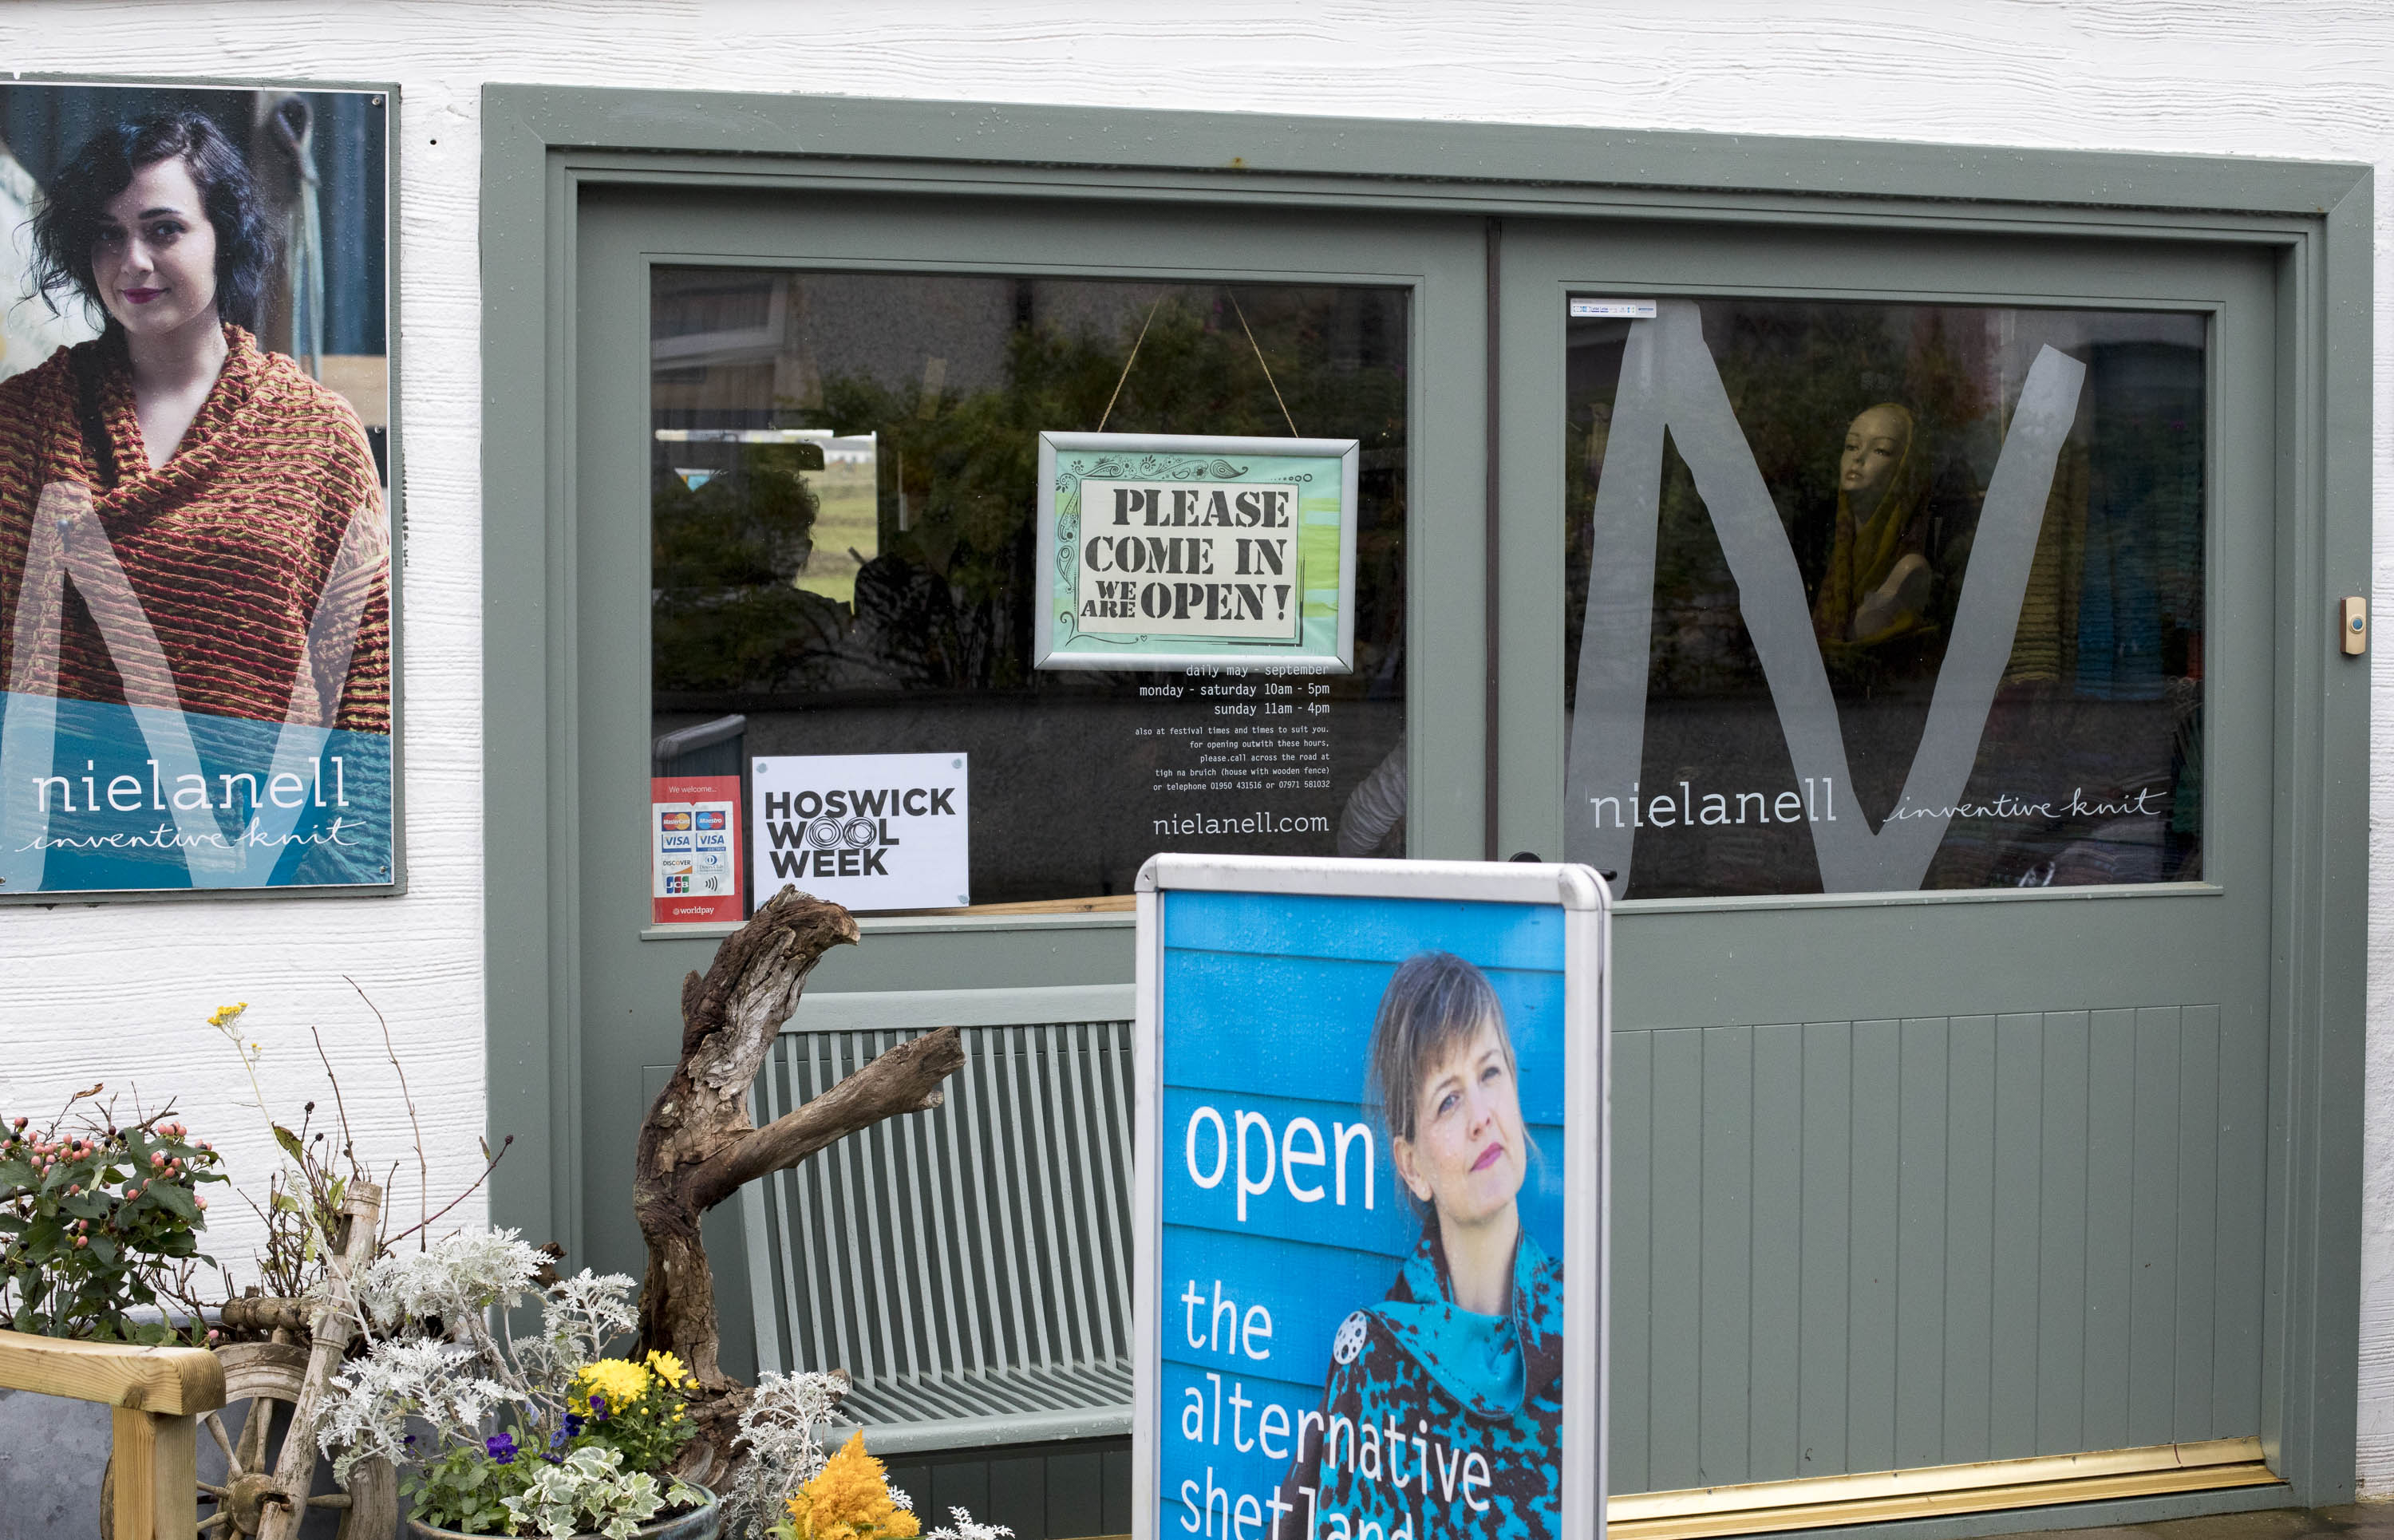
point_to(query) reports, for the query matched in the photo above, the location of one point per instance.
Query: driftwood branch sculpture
(697, 1145)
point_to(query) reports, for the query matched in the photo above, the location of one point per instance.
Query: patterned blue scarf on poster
(1438, 1421)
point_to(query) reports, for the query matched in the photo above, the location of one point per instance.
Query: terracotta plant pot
(702, 1522)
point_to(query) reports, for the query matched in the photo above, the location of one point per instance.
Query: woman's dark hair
(76, 200)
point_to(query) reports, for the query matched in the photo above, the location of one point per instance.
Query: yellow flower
(669, 1369)
(848, 1499)
(224, 1014)
(620, 1381)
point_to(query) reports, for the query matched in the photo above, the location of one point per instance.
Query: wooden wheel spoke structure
(267, 1489)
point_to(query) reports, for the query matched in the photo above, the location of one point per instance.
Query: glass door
(808, 487)
(1892, 620)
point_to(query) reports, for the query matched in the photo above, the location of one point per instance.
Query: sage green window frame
(542, 145)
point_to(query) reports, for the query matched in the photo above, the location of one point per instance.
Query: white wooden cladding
(969, 1267)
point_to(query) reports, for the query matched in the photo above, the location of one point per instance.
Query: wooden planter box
(156, 1395)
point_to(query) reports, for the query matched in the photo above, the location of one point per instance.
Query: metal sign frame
(1587, 903)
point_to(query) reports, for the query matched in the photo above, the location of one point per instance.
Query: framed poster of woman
(195, 578)
(1371, 1200)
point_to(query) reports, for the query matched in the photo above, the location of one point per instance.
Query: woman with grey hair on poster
(1460, 1365)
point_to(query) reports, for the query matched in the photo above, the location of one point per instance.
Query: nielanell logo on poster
(868, 831)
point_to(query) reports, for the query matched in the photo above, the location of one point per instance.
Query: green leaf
(290, 1143)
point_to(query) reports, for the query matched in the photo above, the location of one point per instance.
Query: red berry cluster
(95, 1218)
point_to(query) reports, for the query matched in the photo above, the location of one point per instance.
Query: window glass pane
(844, 513)
(1883, 597)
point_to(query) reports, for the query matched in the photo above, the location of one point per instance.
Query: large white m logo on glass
(1669, 382)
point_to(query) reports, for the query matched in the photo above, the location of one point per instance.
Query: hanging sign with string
(1165, 550)
(1176, 550)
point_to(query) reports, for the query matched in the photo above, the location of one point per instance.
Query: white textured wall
(119, 992)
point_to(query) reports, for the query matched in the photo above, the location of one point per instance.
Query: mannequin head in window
(155, 223)
(1878, 445)
(1878, 587)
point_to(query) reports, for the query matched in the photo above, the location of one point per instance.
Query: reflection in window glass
(843, 516)
(1884, 598)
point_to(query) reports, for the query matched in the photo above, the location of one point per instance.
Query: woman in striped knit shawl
(187, 522)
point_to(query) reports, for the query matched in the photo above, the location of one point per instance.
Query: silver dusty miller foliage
(965, 1529)
(589, 1493)
(456, 1379)
(780, 1429)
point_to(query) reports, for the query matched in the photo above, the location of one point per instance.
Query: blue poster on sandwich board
(1371, 1200)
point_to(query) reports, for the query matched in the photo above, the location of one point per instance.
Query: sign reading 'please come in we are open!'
(1166, 551)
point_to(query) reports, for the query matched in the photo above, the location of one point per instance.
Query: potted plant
(537, 1434)
(785, 1488)
(99, 1223)
(849, 1498)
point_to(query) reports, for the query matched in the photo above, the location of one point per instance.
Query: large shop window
(843, 518)
(1868, 597)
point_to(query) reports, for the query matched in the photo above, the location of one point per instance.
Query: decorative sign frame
(1278, 1312)
(1245, 555)
(218, 711)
